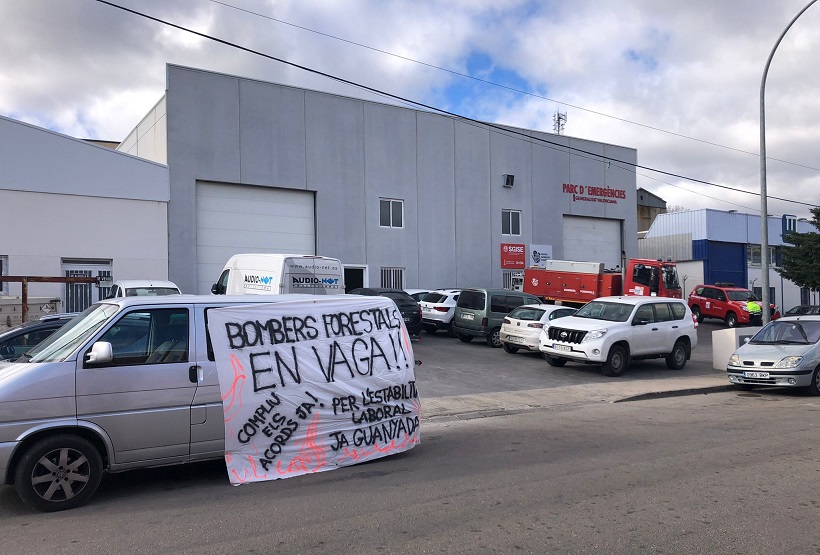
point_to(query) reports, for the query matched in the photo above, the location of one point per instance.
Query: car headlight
(593, 335)
(744, 308)
(734, 360)
(789, 362)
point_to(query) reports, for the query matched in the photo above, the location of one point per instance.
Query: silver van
(129, 383)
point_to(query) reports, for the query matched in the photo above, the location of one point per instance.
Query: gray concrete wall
(353, 152)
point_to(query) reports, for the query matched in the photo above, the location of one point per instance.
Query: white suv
(438, 308)
(611, 331)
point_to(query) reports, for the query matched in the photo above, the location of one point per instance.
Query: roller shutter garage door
(232, 219)
(592, 240)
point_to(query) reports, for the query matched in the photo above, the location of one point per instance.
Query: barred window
(392, 278)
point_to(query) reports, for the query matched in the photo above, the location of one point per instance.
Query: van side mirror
(100, 352)
(215, 289)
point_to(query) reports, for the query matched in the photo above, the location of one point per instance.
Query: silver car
(785, 353)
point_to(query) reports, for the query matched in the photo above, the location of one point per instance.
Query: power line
(435, 109)
(512, 89)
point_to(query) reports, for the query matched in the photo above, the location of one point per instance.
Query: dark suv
(409, 308)
(727, 303)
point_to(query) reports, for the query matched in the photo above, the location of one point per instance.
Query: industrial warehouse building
(714, 246)
(223, 165)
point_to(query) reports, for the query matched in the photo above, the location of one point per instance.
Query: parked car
(438, 308)
(409, 308)
(785, 353)
(142, 287)
(522, 327)
(802, 310)
(19, 340)
(417, 294)
(727, 304)
(612, 331)
(480, 312)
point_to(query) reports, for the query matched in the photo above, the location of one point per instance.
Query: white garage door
(592, 240)
(232, 219)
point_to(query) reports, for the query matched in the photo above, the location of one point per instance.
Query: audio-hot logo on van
(262, 283)
(313, 281)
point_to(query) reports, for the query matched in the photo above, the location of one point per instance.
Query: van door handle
(654, 329)
(674, 327)
(193, 373)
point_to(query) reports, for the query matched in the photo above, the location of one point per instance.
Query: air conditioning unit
(508, 180)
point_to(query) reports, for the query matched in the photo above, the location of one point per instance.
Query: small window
(391, 213)
(510, 222)
(645, 313)
(157, 336)
(678, 310)
(473, 300)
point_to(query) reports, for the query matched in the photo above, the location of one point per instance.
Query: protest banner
(312, 385)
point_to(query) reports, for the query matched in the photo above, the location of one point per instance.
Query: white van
(272, 274)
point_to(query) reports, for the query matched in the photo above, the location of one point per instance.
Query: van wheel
(465, 338)
(510, 349)
(676, 360)
(616, 361)
(731, 320)
(494, 339)
(698, 315)
(58, 472)
(554, 361)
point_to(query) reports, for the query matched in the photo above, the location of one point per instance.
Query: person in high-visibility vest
(753, 308)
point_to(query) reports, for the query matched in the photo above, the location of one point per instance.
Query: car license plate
(407, 319)
(468, 316)
(755, 374)
(558, 347)
(514, 339)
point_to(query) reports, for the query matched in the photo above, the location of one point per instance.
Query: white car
(522, 327)
(612, 331)
(438, 308)
(417, 294)
(142, 287)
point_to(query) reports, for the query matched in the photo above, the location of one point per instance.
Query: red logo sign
(513, 256)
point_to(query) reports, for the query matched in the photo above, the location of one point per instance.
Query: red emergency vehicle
(573, 282)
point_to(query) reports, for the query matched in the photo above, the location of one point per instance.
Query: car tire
(676, 360)
(58, 472)
(814, 388)
(731, 320)
(616, 361)
(554, 361)
(465, 338)
(430, 328)
(510, 349)
(698, 315)
(494, 338)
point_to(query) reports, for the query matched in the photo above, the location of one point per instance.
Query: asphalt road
(720, 473)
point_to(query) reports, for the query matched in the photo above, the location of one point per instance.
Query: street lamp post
(764, 221)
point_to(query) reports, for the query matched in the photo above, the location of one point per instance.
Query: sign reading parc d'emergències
(312, 385)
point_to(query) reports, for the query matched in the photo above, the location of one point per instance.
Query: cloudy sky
(677, 80)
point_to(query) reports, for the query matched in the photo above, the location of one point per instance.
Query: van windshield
(58, 346)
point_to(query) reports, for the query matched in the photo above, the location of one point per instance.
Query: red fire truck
(579, 282)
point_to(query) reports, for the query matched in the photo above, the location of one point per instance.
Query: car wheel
(510, 349)
(430, 328)
(554, 361)
(814, 388)
(465, 338)
(731, 320)
(616, 361)
(676, 360)
(494, 339)
(58, 472)
(698, 315)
